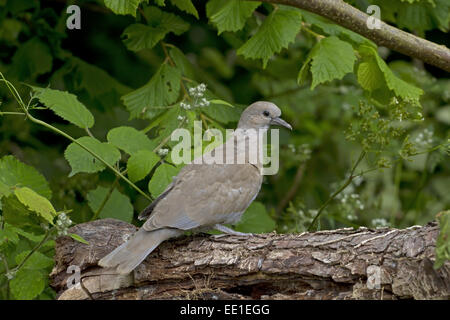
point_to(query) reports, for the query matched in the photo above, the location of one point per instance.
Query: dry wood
(337, 264)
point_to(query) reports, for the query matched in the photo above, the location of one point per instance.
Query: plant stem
(44, 239)
(12, 113)
(345, 185)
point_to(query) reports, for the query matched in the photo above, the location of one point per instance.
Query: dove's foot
(229, 231)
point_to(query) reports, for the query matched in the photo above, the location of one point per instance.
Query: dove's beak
(280, 122)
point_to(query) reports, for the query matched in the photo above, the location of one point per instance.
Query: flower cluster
(424, 138)
(163, 152)
(62, 224)
(197, 93)
(380, 223)
(351, 198)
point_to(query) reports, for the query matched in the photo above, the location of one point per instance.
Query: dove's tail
(130, 254)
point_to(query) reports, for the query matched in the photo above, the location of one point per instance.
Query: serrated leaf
(182, 63)
(17, 214)
(8, 234)
(65, 105)
(256, 220)
(82, 161)
(398, 86)
(78, 238)
(35, 262)
(15, 173)
(118, 206)
(278, 30)
(331, 59)
(369, 75)
(162, 90)
(230, 15)
(141, 36)
(31, 59)
(140, 164)
(186, 6)
(167, 21)
(36, 203)
(162, 178)
(123, 6)
(27, 284)
(129, 139)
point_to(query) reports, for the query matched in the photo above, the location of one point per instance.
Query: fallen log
(336, 264)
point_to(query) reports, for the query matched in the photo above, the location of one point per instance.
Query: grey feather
(130, 254)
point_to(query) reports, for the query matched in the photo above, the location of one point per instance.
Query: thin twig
(345, 185)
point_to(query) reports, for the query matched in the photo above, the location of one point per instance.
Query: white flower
(181, 118)
(380, 222)
(185, 106)
(163, 152)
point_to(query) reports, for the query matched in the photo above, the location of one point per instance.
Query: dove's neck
(249, 145)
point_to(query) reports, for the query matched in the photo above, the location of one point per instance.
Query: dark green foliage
(88, 136)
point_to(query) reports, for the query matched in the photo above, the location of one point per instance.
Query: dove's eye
(266, 113)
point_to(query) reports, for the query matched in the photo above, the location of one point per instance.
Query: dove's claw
(229, 231)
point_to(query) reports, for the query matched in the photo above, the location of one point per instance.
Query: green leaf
(230, 15)
(162, 178)
(369, 75)
(82, 161)
(222, 102)
(140, 36)
(443, 240)
(278, 30)
(27, 284)
(162, 90)
(118, 206)
(8, 234)
(123, 6)
(182, 62)
(78, 238)
(17, 214)
(140, 164)
(220, 110)
(65, 105)
(379, 68)
(330, 59)
(256, 220)
(84, 76)
(36, 203)
(28, 235)
(129, 139)
(186, 6)
(31, 59)
(35, 262)
(15, 173)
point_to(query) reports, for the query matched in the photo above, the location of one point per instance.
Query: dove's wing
(206, 194)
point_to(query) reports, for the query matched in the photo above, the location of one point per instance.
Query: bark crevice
(337, 264)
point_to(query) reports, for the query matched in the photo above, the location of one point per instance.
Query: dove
(204, 195)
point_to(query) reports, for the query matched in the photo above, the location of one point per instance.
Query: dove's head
(260, 115)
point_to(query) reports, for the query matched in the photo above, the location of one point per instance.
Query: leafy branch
(351, 18)
(25, 109)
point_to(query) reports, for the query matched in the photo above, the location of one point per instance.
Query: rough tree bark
(351, 18)
(338, 264)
